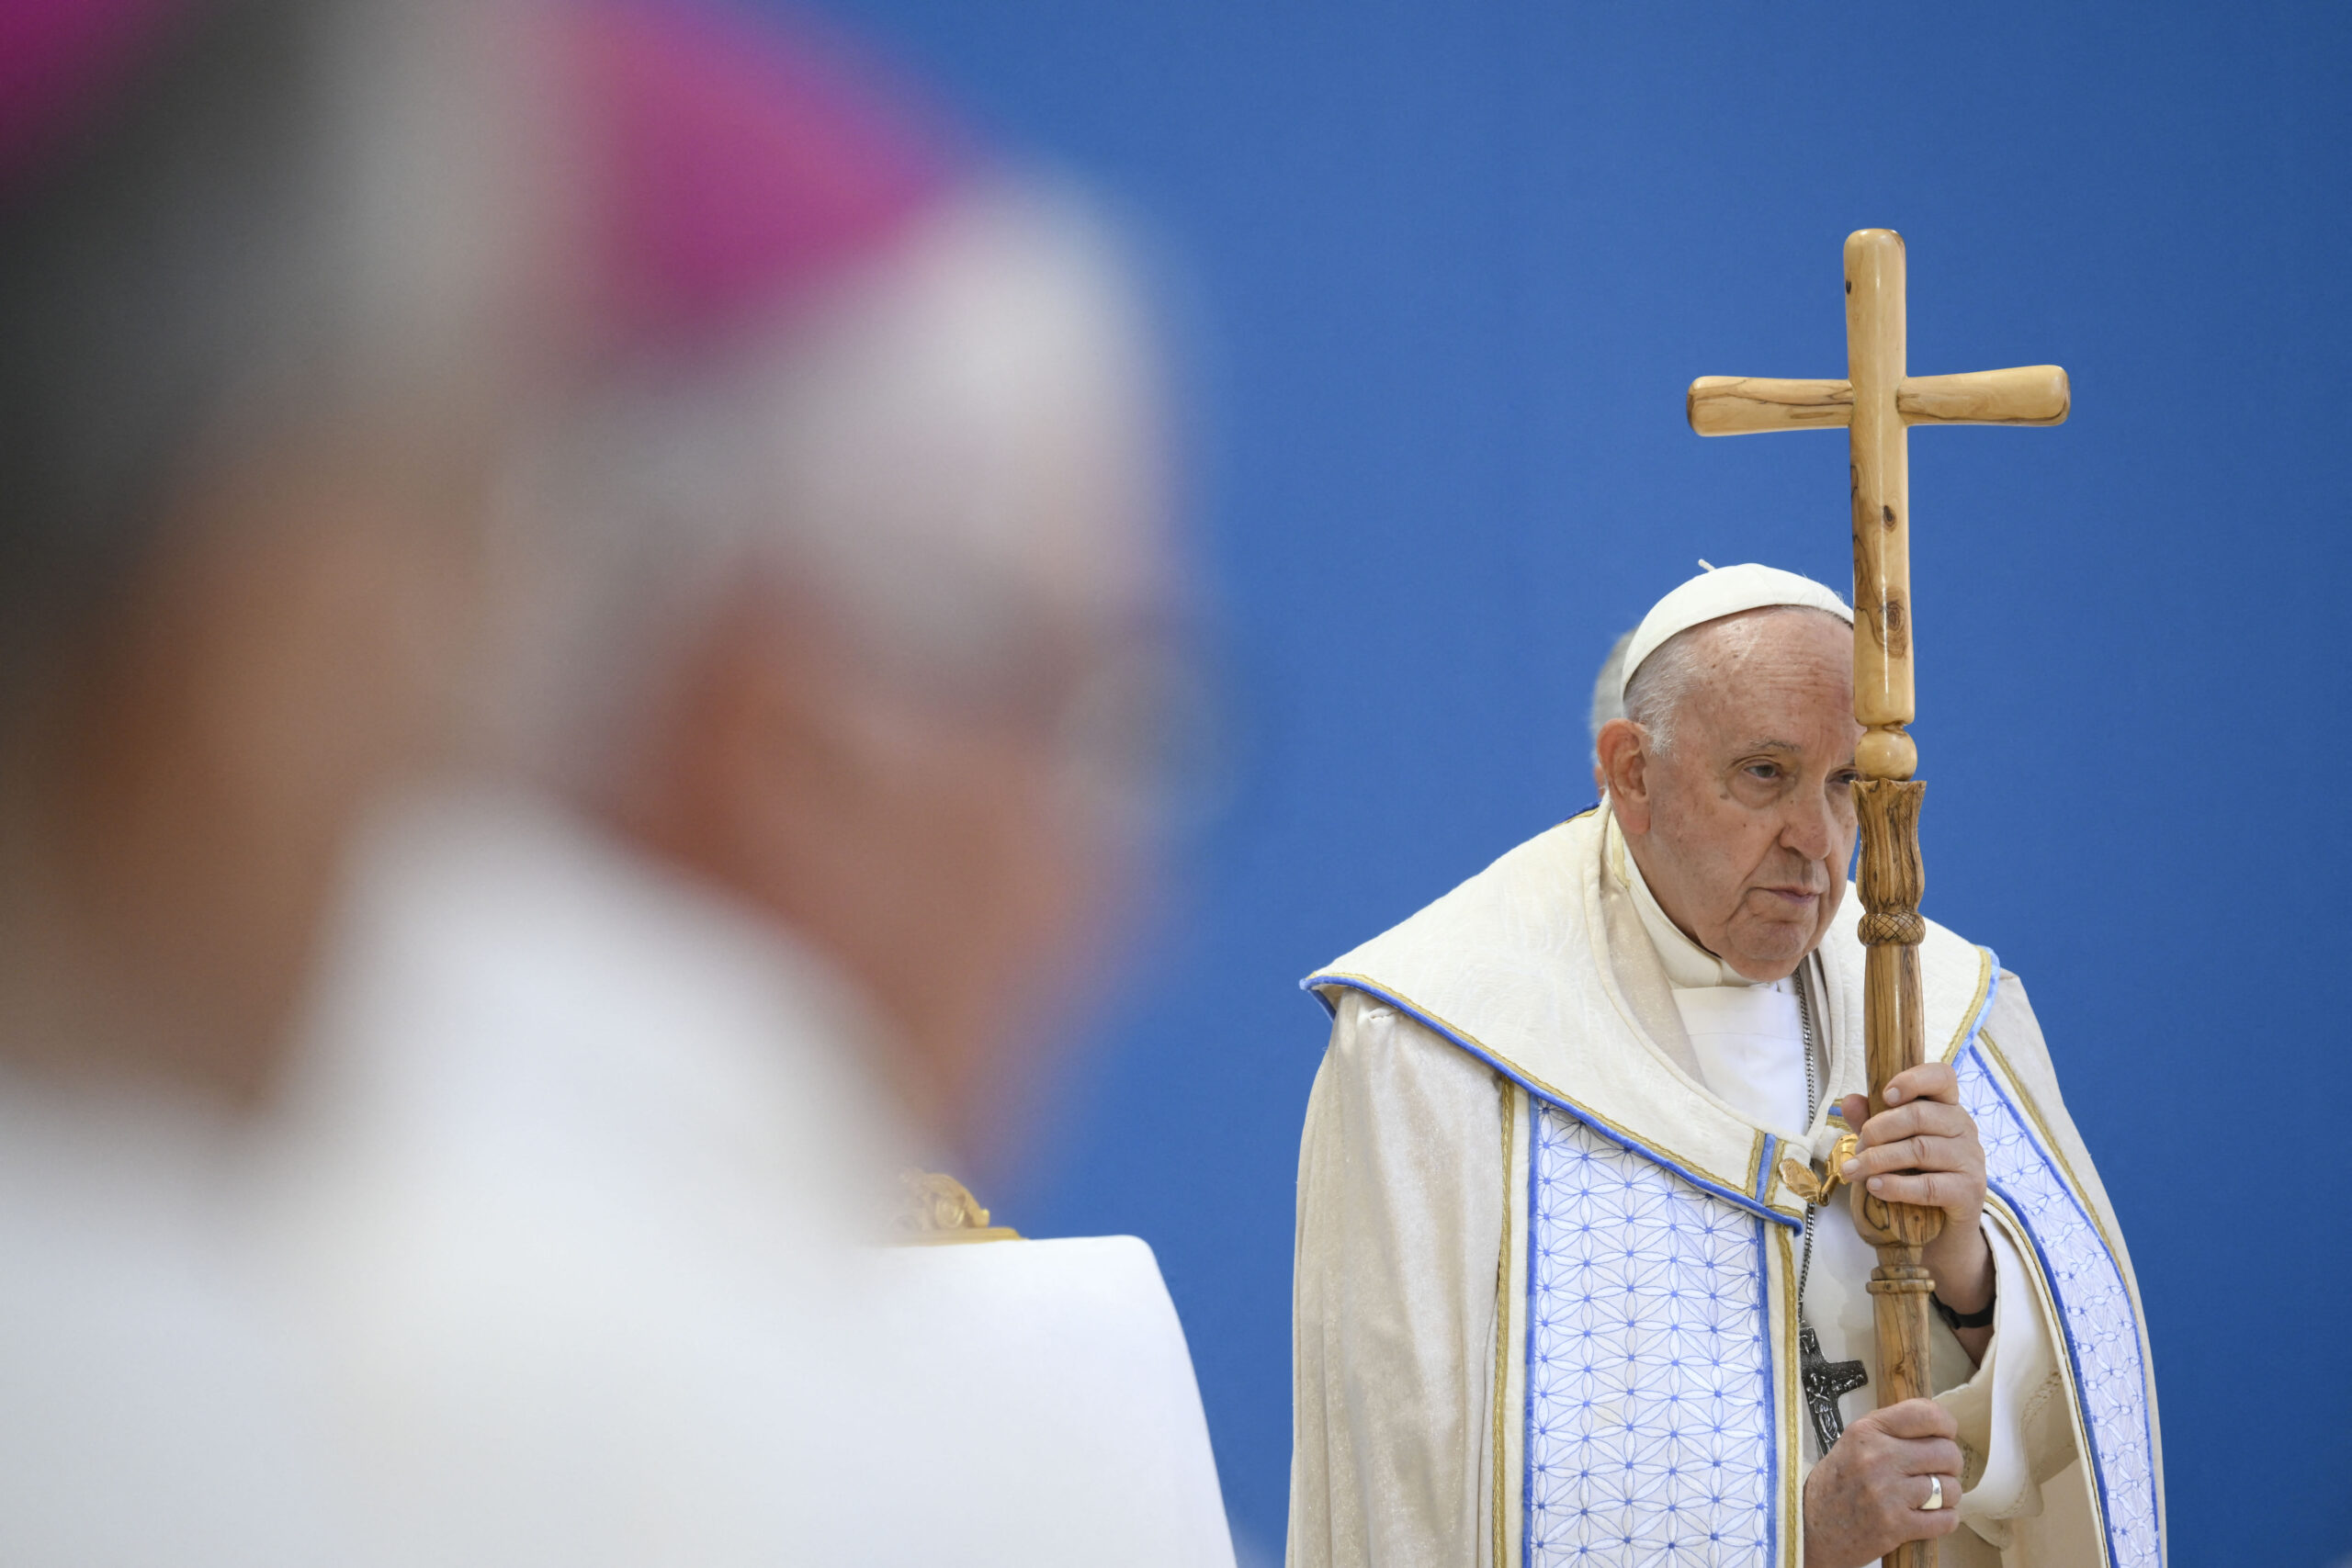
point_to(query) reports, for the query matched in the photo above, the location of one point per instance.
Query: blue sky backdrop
(1443, 272)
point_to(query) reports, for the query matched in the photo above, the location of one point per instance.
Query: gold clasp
(937, 1209)
(1815, 1183)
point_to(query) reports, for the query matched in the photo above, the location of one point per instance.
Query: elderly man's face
(1745, 828)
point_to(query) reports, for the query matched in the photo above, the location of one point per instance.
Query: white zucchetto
(1729, 591)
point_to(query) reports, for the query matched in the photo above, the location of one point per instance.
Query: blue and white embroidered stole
(1651, 1435)
(2105, 1351)
(1649, 1377)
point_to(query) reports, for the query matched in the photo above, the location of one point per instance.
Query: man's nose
(1808, 830)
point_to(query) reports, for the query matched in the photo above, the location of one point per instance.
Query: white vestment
(1546, 1265)
(154, 1407)
(590, 1166)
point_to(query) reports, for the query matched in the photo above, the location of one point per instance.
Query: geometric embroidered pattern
(2102, 1335)
(1650, 1436)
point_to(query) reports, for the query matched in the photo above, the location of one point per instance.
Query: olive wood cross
(1877, 404)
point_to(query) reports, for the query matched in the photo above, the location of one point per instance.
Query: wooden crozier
(1877, 404)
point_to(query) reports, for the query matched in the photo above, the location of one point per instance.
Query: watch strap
(1983, 1319)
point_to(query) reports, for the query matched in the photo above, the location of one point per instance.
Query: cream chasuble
(1545, 1265)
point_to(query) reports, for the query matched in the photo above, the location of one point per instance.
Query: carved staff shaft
(1893, 877)
(1877, 403)
(1892, 880)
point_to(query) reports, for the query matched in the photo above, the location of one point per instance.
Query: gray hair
(1655, 697)
(1609, 691)
(1663, 683)
(267, 231)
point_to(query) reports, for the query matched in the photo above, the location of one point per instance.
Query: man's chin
(1775, 957)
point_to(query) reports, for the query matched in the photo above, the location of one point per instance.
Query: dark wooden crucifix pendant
(1825, 1381)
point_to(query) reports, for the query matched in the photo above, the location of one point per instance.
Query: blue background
(1444, 270)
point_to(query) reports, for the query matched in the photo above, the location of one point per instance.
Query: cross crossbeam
(1751, 405)
(1877, 404)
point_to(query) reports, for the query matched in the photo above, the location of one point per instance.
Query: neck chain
(1825, 1382)
(1812, 1109)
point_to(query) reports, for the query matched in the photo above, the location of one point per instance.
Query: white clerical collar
(1688, 966)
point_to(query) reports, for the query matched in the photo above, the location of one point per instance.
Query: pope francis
(1576, 1279)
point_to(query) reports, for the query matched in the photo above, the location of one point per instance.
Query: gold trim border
(1975, 1008)
(1322, 977)
(1792, 1442)
(2057, 1150)
(1498, 1464)
(2022, 1239)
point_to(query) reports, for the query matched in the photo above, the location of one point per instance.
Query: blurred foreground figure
(817, 805)
(255, 331)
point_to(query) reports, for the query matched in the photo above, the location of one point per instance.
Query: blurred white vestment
(572, 1196)
(583, 1193)
(1092, 1446)
(150, 1413)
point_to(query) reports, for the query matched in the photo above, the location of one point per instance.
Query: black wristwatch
(1983, 1319)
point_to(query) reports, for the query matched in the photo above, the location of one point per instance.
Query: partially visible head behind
(1608, 702)
(259, 273)
(1732, 769)
(867, 569)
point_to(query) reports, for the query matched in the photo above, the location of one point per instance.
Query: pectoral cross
(1825, 1382)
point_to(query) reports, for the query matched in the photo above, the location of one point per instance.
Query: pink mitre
(62, 63)
(737, 166)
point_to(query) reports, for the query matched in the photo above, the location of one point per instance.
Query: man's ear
(1624, 764)
(727, 760)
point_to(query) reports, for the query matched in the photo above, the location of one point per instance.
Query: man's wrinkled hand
(1863, 1500)
(1923, 1149)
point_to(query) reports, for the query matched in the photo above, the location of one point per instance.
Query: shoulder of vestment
(1513, 966)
